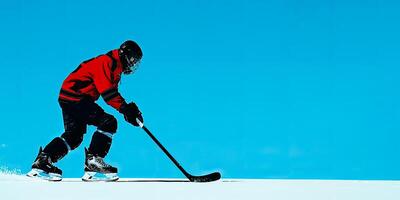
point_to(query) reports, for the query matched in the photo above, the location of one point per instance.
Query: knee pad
(108, 124)
(72, 139)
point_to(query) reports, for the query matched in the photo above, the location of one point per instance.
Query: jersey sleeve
(106, 86)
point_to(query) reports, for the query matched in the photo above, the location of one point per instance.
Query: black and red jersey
(95, 77)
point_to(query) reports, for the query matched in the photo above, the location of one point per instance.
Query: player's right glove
(131, 112)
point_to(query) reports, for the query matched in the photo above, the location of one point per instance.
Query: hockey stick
(205, 178)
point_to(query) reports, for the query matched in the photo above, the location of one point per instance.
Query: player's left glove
(131, 112)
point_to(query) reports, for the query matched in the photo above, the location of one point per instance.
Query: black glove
(131, 112)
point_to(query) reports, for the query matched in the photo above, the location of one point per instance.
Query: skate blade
(96, 177)
(40, 174)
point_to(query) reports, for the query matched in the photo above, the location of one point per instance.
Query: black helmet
(130, 55)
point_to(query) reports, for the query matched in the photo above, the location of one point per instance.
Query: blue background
(254, 89)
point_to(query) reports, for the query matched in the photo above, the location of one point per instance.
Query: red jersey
(95, 77)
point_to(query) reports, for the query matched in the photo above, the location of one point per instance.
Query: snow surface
(20, 187)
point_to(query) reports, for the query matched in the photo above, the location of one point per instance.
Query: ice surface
(20, 187)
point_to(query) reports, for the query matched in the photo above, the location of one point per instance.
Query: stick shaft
(165, 151)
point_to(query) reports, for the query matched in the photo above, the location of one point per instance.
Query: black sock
(56, 149)
(100, 144)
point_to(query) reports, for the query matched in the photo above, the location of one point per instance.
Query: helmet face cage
(132, 64)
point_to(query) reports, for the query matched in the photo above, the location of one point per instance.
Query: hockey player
(93, 78)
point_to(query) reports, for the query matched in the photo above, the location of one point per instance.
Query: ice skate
(43, 168)
(97, 170)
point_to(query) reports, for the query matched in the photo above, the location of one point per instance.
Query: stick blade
(206, 178)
